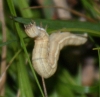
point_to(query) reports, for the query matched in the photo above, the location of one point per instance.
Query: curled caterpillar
(47, 48)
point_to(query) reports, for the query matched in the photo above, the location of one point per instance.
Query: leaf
(18, 29)
(99, 69)
(8, 42)
(91, 28)
(83, 89)
(66, 80)
(24, 83)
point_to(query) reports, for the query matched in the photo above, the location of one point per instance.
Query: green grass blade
(24, 83)
(83, 89)
(24, 4)
(66, 80)
(99, 70)
(91, 28)
(12, 9)
(8, 42)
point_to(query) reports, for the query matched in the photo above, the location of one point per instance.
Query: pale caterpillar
(47, 48)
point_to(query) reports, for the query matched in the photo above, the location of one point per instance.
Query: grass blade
(13, 12)
(91, 28)
(24, 83)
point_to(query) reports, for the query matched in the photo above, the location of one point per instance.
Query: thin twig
(62, 14)
(4, 49)
(68, 9)
(44, 87)
(18, 93)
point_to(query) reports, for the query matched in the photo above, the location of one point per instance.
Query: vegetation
(21, 79)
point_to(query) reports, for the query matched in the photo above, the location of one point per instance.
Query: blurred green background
(78, 71)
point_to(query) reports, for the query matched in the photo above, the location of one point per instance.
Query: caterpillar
(47, 48)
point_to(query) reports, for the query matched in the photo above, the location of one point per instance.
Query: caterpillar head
(32, 30)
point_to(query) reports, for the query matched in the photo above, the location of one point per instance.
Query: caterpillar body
(47, 48)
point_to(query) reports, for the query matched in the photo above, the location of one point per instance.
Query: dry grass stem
(4, 49)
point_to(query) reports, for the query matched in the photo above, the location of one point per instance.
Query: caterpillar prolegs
(47, 48)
